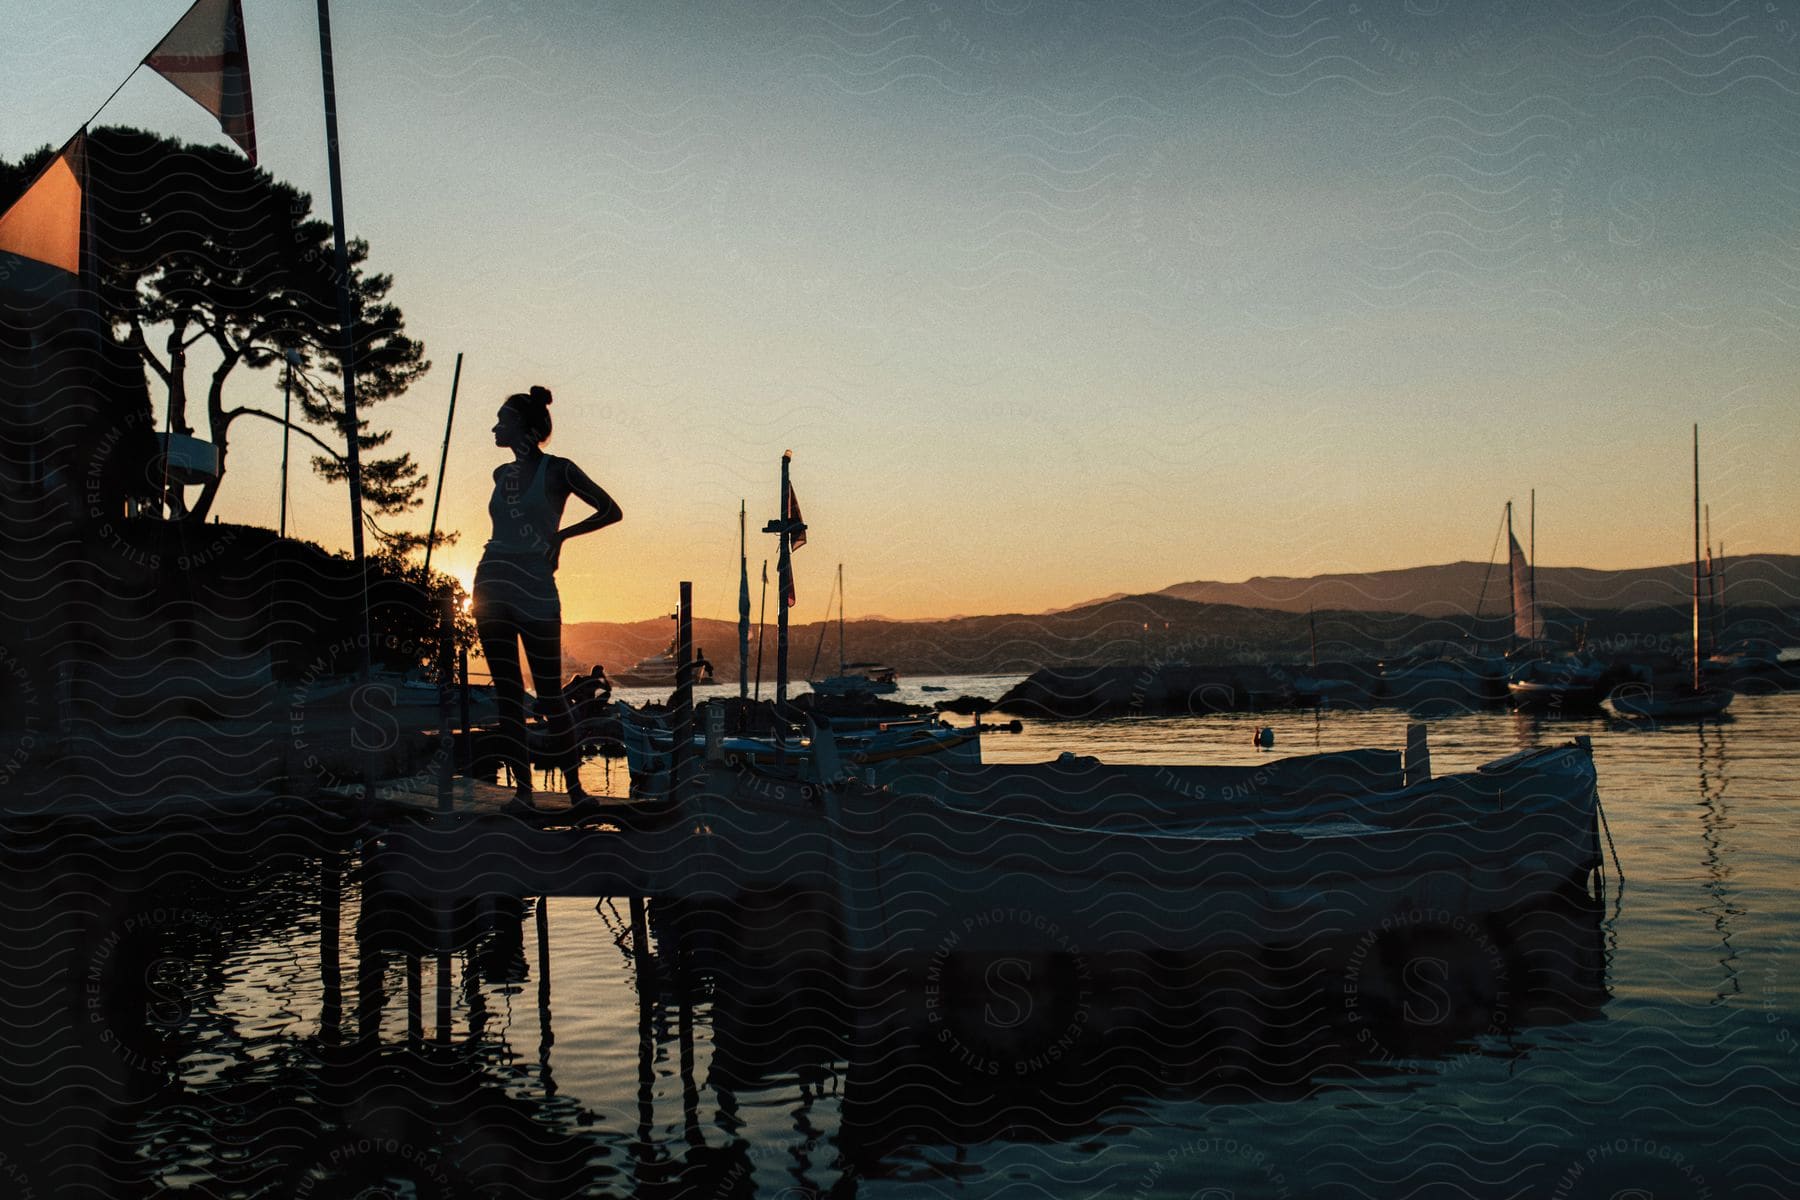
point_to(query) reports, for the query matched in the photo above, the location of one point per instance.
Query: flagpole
(347, 328)
(785, 572)
(443, 460)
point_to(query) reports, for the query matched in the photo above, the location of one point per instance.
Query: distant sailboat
(1543, 677)
(1693, 697)
(858, 678)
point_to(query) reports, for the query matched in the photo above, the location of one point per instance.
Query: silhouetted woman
(515, 598)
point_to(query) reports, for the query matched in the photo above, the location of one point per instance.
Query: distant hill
(1358, 615)
(1456, 588)
(1138, 629)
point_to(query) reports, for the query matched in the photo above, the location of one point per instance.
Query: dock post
(331, 976)
(468, 738)
(543, 949)
(371, 994)
(446, 681)
(1417, 768)
(415, 998)
(442, 994)
(682, 719)
(640, 942)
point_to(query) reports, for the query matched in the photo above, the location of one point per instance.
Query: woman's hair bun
(540, 393)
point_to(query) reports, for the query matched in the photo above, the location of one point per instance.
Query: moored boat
(1566, 682)
(874, 747)
(860, 679)
(854, 678)
(918, 870)
(1670, 702)
(659, 670)
(1696, 697)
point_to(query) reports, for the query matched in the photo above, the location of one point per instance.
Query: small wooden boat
(1116, 864)
(1556, 683)
(874, 748)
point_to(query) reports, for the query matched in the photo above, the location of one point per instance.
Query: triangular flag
(44, 223)
(204, 55)
(798, 538)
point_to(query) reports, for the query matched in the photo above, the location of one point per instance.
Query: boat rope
(812, 672)
(1492, 555)
(1617, 865)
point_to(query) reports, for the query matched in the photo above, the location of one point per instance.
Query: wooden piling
(443, 971)
(415, 998)
(331, 1003)
(681, 720)
(446, 680)
(462, 675)
(640, 942)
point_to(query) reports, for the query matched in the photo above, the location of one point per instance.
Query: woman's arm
(606, 509)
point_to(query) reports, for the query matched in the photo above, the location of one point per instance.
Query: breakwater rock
(1157, 689)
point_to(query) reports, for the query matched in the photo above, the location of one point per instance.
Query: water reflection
(1715, 826)
(223, 1054)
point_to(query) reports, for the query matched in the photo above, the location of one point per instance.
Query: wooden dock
(459, 839)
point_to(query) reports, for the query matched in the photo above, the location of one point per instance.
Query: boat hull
(917, 877)
(1539, 696)
(1646, 703)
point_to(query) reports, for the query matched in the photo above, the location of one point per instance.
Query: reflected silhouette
(1715, 824)
(764, 1060)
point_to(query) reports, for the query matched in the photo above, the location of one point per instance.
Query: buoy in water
(1265, 737)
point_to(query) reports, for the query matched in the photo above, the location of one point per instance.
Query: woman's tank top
(524, 518)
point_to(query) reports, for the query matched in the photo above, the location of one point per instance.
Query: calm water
(190, 1016)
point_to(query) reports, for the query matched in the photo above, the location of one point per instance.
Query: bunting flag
(40, 235)
(1525, 626)
(204, 55)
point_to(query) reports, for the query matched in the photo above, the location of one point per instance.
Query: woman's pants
(515, 601)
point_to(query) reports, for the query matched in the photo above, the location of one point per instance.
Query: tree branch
(142, 346)
(235, 413)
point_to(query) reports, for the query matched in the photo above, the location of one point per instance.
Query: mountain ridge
(1763, 595)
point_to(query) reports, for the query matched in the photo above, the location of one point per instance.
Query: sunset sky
(1049, 301)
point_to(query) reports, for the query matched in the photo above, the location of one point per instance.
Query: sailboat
(858, 678)
(1693, 697)
(1542, 678)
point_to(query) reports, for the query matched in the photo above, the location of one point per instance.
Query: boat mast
(1719, 616)
(1536, 628)
(1696, 556)
(784, 571)
(1312, 627)
(840, 618)
(1712, 591)
(1512, 587)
